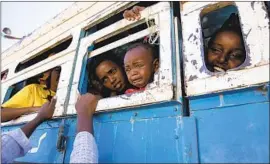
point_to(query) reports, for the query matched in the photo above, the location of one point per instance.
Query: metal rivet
(135, 114)
(176, 137)
(175, 109)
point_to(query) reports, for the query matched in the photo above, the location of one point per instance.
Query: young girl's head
(140, 64)
(225, 50)
(108, 72)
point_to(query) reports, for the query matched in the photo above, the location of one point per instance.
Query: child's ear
(156, 64)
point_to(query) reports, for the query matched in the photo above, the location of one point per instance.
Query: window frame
(68, 23)
(64, 59)
(160, 90)
(198, 80)
(45, 51)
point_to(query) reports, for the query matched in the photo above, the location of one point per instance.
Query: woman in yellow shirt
(31, 97)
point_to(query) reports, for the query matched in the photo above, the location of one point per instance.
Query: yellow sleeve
(22, 99)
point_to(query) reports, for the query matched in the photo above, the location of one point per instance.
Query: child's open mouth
(218, 69)
(137, 81)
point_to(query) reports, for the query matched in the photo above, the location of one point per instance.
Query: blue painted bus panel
(148, 111)
(142, 138)
(43, 141)
(158, 133)
(231, 98)
(43, 147)
(234, 134)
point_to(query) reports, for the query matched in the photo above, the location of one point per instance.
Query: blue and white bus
(187, 115)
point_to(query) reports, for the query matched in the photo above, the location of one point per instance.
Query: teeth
(219, 69)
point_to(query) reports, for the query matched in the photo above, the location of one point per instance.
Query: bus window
(224, 47)
(112, 43)
(116, 55)
(59, 47)
(111, 65)
(116, 17)
(4, 75)
(224, 43)
(37, 90)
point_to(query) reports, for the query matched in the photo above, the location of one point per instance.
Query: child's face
(111, 76)
(140, 66)
(226, 52)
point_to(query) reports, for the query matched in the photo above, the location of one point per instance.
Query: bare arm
(84, 147)
(8, 114)
(45, 112)
(85, 123)
(16, 143)
(86, 106)
(31, 126)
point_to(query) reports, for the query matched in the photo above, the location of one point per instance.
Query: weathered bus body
(187, 114)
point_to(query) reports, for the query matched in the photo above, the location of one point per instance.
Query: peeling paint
(256, 46)
(194, 62)
(35, 149)
(190, 36)
(179, 123)
(114, 132)
(202, 69)
(132, 124)
(221, 100)
(194, 38)
(192, 77)
(246, 35)
(262, 89)
(250, 126)
(252, 5)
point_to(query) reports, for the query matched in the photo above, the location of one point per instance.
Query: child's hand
(46, 111)
(134, 13)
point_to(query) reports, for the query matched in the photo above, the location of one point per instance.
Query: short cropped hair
(146, 46)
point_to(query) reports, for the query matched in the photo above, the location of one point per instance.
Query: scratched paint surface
(244, 96)
(233, 127)
(43, 142)
(228, 129)
(198, 79)
(148, 134)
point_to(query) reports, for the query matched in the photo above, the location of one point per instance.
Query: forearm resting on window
(8, 114)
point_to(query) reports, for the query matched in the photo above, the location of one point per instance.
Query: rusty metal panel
(255, 28)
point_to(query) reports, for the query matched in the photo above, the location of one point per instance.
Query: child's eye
(139, 65)
(127, 69)
(216, 50)
(113, 71)
(236, 55)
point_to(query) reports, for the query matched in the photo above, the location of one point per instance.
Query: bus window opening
(223, 41)
(31, 97)
(116, 17)
(126, 69)
(59, 47)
